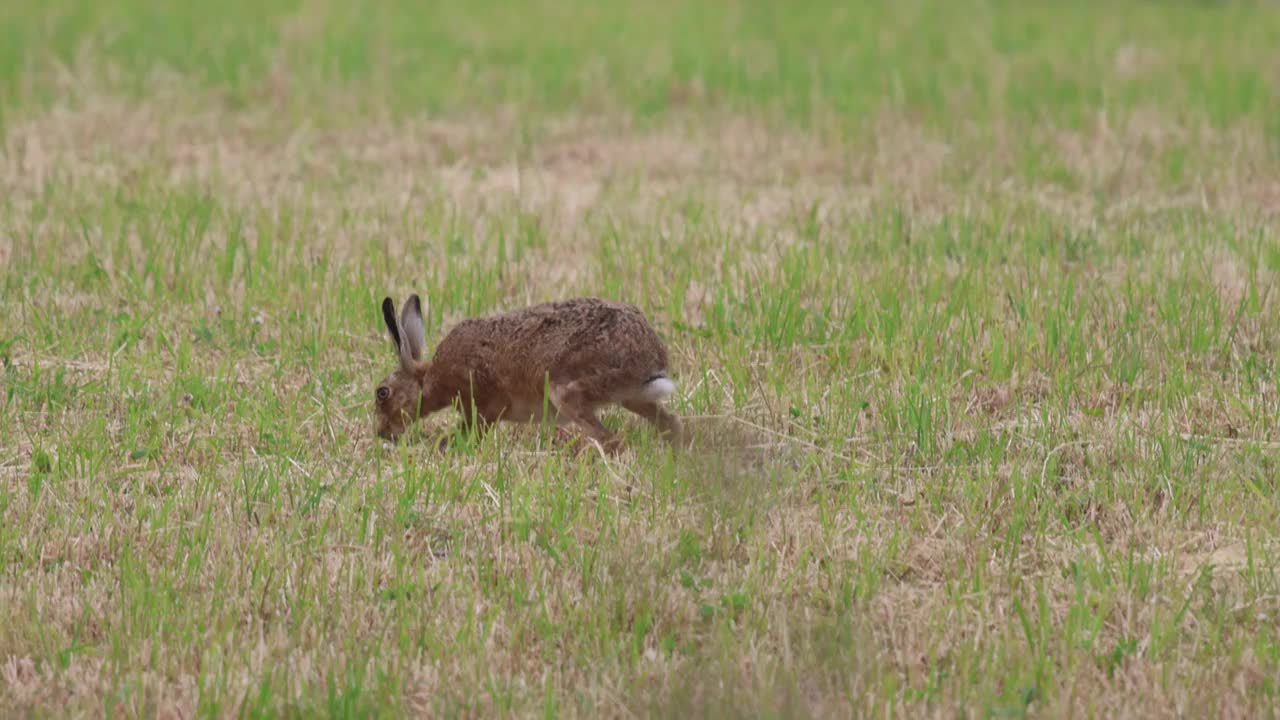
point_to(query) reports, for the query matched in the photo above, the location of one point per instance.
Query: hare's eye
(384, 393)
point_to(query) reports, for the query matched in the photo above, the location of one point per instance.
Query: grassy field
(972, 306)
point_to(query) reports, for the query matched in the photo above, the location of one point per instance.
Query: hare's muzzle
(387, 431)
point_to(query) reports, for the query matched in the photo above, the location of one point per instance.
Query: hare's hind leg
(668, 425)
(574, 404)
(647, 401)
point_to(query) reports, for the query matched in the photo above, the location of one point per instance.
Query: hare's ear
(389, 316)
(413, 331)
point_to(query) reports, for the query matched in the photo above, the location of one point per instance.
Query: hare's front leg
(475, 419)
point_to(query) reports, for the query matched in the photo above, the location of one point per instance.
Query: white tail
(658, 389)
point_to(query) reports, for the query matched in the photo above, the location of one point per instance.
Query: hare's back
(565, 335)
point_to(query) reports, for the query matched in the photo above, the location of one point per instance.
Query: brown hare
(569, 357)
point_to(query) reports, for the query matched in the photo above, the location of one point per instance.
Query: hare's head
(398, 399)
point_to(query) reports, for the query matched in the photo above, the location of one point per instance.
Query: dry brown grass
(1059, 537)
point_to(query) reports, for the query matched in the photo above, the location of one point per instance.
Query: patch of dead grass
(760, 171)
(833, 567)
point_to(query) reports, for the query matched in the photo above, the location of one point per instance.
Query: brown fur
(570, 357)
